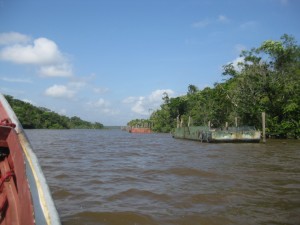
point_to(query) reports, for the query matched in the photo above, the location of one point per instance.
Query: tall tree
(268, 80)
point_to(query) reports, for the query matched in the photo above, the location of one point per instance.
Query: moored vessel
(229, 134)
(142, 130)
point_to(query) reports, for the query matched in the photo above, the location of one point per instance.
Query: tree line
(32, 117)
(266, 80)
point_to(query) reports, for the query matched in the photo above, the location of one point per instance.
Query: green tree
(268, 80)
(32, 117)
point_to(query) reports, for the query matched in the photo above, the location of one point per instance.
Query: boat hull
(140, 130)
(16, 202)
(29, 200)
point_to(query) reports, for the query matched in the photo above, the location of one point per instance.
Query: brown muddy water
(111, 177)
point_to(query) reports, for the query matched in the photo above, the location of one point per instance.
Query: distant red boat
(24, 194)
(140, 130)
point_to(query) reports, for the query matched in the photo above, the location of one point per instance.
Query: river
(111, 177)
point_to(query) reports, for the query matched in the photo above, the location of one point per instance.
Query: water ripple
(111, 177)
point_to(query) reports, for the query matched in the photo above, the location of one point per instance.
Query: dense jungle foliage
(32, 117)
(266, 80)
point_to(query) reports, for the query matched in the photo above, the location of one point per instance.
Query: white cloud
(77, 84)
(100, 90)
(59, 91)
(239, 48)
(223, 19)
(41, 52)
(144, 105)
(206, 22)
(12, 38)
(102, 106)
(201, 24)
(69, 90)
(248, 25)
(139, 106)
(236, 62)
(15, 80)
(100, 103)
(59, 70)
(129, 100)
(29, 101)
(62, 112)
(156, 96)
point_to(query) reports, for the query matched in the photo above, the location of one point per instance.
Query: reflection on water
(111, 177)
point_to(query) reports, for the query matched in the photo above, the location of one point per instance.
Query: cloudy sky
(111, 60)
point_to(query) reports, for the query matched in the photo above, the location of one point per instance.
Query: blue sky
(111, 60)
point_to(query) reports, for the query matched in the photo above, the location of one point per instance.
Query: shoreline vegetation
(266, 79)
(32, 117)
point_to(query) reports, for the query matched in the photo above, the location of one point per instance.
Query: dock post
(263, 115)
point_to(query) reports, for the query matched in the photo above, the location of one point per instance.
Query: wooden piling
(263, 115)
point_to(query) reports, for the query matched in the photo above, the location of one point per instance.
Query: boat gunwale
(42, 196)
